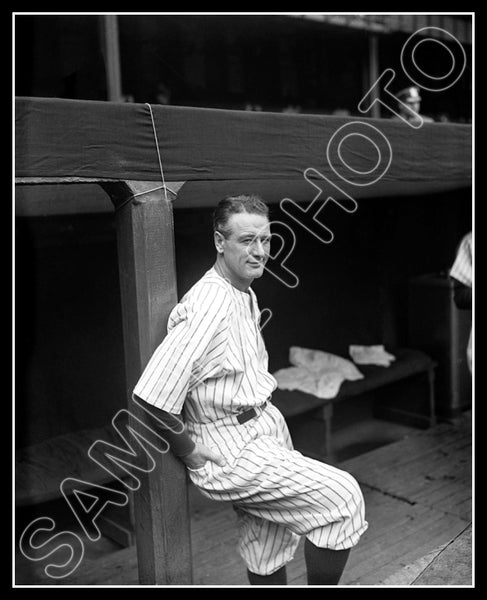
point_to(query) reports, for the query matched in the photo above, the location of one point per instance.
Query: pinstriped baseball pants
(279, 494)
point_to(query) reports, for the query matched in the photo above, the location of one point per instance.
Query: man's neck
(241, 284)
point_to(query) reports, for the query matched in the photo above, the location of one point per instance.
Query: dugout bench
(411, 402)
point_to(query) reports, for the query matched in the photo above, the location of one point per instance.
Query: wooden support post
(148, 289)
(111, 52)
(432, 402)
(374, 73)
(327, 415)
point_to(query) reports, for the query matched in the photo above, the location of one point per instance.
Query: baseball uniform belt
(251, 413)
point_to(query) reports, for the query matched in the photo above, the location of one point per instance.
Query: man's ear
(218, 237)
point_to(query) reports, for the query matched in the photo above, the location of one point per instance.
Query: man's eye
(250, 241)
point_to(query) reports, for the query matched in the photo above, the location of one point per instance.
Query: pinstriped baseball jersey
(462, 267)
(213, 360)
(462, 272)
(212, 365)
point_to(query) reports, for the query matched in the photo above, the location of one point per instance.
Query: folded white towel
(316, 372)
(326, 385)
(323, 362)
(371, 355)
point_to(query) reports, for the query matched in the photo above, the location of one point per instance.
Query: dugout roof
(220, 151)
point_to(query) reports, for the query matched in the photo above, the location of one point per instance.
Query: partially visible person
(253, 107)
(341, 112)
(163, 94)
(443, 118)
(461, 273)
(292, 108)
(409, 106)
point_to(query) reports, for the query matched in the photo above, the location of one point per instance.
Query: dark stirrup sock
(324, 566)
(279, 577)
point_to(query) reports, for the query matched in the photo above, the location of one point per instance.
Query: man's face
(412, 104)
(246, 248)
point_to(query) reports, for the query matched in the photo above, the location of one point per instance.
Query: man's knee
(347, 515)
(356, 498)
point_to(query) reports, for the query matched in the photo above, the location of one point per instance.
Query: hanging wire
(159, 187)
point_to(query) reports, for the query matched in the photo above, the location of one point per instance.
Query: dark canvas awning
(216, 151)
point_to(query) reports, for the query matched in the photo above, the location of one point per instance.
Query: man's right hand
(201, 455)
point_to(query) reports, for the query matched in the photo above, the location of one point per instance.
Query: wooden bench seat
(408, 363)
(41, 468)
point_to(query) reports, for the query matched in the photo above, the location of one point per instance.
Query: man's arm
(179, 364)
(172, 429)
(194, 455)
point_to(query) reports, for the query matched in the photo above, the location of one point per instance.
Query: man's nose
(258, 248)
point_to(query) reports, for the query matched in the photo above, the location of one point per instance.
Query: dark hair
(231, 205)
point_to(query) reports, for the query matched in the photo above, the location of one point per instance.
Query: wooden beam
(59, 137)
(61, 180)
(374, 73)
(145, 235)
(119, 188)
(111, 52)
